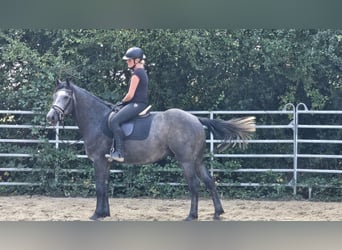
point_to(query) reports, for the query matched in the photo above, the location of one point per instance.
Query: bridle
(61, 111)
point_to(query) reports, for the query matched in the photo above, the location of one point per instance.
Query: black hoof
(97, 217)
(191, 218)
(94, 217)
(217, 215)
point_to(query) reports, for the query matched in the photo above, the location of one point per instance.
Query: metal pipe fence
(267, 121)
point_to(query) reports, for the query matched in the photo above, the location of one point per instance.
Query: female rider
(134, 102)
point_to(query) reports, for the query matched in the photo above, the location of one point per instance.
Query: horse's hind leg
(193, 184)
(203, 174)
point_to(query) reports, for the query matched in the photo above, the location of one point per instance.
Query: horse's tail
(240, 129)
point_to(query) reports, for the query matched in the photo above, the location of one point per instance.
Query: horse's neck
(89, 111)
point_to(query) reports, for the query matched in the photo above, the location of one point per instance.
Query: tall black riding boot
(118, 153)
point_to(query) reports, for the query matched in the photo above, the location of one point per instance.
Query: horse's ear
(58, 82)
(68, 82)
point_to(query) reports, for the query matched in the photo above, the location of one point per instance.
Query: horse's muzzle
(52, 117)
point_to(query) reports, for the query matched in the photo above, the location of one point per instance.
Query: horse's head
(62, 104)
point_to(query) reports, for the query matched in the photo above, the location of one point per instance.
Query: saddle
(137, 128)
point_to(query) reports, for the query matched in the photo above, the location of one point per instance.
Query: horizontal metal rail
(321, 126)
(20, 184)
(254, 155)
(290, 111)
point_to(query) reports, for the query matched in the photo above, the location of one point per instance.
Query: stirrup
(115, 156)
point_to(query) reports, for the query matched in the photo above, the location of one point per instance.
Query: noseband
(59, 111)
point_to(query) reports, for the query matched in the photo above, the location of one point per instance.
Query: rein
(60, 135)
(61, 115)
(60, 111)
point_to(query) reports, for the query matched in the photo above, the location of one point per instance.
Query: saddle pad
(138, 129)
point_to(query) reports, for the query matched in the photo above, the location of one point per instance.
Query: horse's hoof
(217, 215)
(97, 217)
(191, 218)
(94, 217)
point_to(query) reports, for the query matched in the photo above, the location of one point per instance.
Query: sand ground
(42, 208)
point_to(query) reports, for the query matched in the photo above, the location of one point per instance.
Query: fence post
(57, 146)
(294, 129)
(57, 136)
(211, 116)
(295, 165)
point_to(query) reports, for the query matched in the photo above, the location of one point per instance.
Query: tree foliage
(191, 69)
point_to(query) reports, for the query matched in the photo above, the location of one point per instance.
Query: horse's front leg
(101, 183)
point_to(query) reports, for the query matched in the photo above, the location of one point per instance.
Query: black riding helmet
(133, 53)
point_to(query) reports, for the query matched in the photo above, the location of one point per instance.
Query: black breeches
(125, 114)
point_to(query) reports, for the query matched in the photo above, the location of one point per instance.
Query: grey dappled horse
(173, 132)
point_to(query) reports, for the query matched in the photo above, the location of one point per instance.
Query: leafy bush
(198, 69)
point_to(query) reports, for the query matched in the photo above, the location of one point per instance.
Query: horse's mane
(84, 91)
